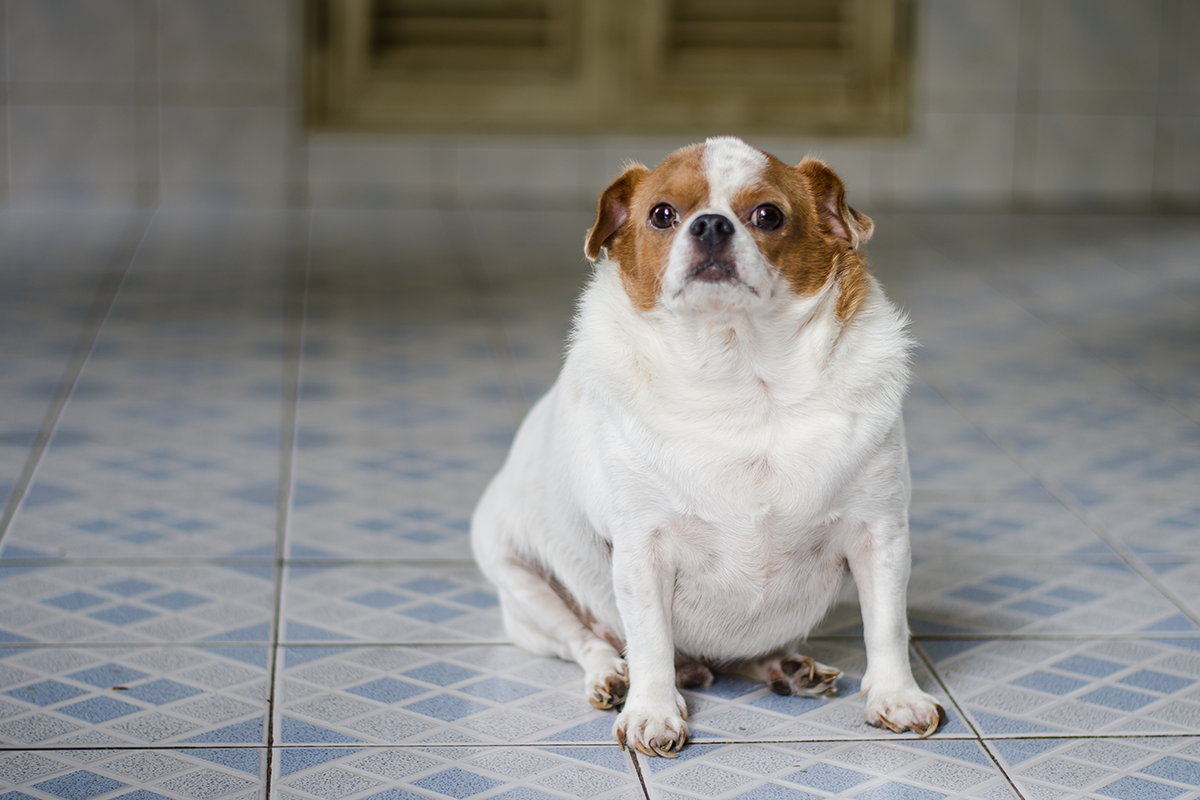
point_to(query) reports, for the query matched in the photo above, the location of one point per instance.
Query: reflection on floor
(241, 448)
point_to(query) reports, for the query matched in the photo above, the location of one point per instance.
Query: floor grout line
(295, 309)
(962, 713)
(932, 667)
(995, 758)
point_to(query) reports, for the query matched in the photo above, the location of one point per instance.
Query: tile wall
(1019, 104)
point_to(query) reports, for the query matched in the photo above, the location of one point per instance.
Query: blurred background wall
(1018, 104)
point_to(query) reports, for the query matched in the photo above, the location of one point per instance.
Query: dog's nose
(713, 230)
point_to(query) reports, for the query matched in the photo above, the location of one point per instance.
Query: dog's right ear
(840, 221)
(613, 210)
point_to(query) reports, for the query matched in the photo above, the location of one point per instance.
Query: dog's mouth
(714, 270)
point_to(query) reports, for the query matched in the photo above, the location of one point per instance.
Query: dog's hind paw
(905, 710)
(607, 686)
(651, 732)
(801, 675)
(689, 674)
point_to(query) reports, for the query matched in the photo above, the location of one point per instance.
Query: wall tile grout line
(128, 244)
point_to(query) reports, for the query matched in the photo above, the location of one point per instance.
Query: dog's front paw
(653, 731)
(905, 710)
(608, 684)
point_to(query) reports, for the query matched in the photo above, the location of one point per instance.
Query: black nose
(713, 230)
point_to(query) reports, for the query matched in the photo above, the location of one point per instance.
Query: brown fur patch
(852, 285)
(585, 616)
(796, 248)
(639, 249)
(844, 229)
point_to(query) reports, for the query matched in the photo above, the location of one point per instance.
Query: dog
(723, 445)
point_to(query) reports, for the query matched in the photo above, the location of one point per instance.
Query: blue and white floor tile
(1038, 596)
(943, 525)
(1134, 767)
(389, 603)
(115, 603)
(108, 501)
(176, 774)
(1076, 686)
(536, 773)
(433, 694)
(415, 527)
(169, 629)
(133, 696)
(911, 769)
(737, 710)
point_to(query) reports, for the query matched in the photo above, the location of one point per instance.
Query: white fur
(700, 478)
(729, 164)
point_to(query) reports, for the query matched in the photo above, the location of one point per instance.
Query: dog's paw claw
(905, 710)
(607, 689)
(650, 733)
(933, 725)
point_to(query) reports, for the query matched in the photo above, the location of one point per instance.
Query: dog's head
(721, 225)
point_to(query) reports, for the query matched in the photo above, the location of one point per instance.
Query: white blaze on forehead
(729, 165)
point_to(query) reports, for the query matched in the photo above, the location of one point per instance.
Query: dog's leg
(789, 674)
(880, 565)
(538, 619)
(653, 718)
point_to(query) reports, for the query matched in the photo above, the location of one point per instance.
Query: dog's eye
(662, 216)
(767, 217)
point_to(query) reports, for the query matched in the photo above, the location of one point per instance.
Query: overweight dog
(723, 447)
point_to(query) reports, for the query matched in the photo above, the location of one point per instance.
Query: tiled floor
(241, 448)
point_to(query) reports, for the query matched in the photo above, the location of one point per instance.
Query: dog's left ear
(839, 220)
(613, 210)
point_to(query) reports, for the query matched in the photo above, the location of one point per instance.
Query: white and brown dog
(724, 441)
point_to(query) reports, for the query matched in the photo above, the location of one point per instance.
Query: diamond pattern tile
(389, 603)
(206, 602)
(56, 696)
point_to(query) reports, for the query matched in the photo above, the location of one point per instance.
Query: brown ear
(613, 210)
(839, 220)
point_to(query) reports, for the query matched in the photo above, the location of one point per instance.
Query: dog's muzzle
(712, 234)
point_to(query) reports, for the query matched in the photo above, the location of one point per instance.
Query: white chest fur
(736, 444)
